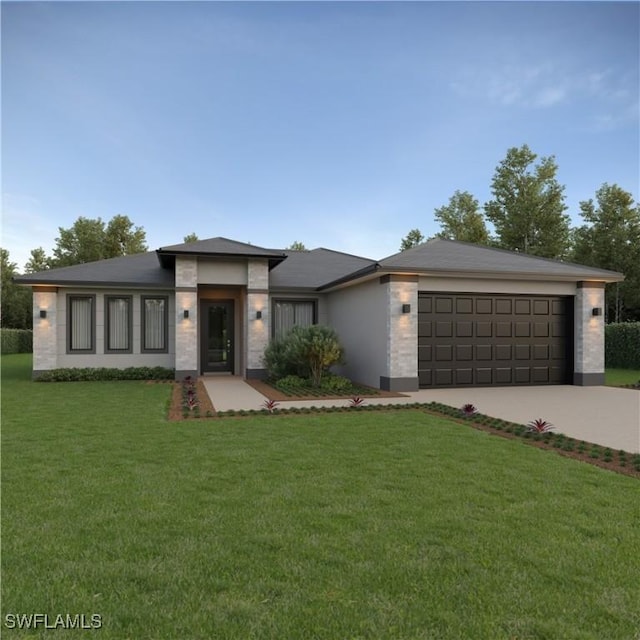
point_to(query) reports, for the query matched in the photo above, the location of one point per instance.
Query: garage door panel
(444, 377)
(464, 352)
(464, 376)
(464, 329)
(444, 329)
(470, 339)
(502, 352)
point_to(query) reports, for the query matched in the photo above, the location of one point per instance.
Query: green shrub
(103, 373)
(293, 382)
(16, 341)
(336, 384)
(306, 352)
(622, 345)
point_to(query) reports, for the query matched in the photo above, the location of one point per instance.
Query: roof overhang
(167, 258)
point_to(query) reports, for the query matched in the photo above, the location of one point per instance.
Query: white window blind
(81, 331)
(289, 314)
(154, 324)
(118, 323)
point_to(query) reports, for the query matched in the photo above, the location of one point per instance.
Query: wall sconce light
(43, 313)
(597, 311)
(406, 308)
(258, 315)
(185, 314)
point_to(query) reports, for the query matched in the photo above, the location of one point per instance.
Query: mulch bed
(175, 408)
(279, 396)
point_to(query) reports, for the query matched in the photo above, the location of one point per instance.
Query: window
(290, 313)
(118, 323)
(155, 314)
(81, 324)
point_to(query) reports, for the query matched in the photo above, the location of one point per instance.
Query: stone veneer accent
(45, 330)
(402, 332)
(186, 328)
(588, 335)
(257, 331)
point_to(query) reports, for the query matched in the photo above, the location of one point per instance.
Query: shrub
(307, 352)
(336, 384)
(103, 373)
(16, 341)
(622, 345)
(292, 382)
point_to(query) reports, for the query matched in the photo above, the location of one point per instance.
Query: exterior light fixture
(406, 308)
(597, 311)
(258, 315)
(185, 314)
(43, 313)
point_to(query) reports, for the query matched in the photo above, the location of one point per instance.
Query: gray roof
(312, 269)
(453, 256)
(138, 270)
(217, 247)
(317, 269)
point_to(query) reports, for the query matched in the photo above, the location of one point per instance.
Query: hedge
(16, 341)
(622, 345)
(104, 373)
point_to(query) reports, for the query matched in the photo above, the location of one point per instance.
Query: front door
(217, 336)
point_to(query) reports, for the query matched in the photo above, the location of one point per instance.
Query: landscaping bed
(309, 393)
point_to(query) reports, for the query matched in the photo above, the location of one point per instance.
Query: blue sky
(341, 125)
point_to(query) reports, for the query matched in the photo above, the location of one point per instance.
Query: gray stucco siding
(358, 314)
(136, 357)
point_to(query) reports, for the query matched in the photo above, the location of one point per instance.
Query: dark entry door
(217, 336)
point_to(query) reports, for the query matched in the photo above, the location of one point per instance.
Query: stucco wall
(115, 360)
(221, 272)
(358, 314)
(485, 285)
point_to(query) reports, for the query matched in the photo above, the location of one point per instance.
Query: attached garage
(483, 340)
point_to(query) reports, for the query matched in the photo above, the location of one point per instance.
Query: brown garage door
(483, 340)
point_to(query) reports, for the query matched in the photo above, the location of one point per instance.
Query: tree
(39, 261)
(15, 301)
(528, 206)
(88, 240)
(297, 246)
(611, 240)
(462, 220)
(412, 239)
(192, 237)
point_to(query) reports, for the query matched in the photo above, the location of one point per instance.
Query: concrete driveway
(604, 415)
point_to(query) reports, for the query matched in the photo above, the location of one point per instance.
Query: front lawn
(364, 525)
(620, 377)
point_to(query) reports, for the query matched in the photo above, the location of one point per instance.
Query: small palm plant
(468, 410)
(539, 426)
(356, 401)
(270, 405)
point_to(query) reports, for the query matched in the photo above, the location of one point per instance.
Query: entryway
(217, 338)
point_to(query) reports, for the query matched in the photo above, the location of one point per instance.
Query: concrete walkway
(604, 415)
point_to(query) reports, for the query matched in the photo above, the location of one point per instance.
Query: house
(442, 314)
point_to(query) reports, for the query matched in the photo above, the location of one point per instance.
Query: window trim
(81, 296)
(143, 324)
(275, 301)
(107, 320)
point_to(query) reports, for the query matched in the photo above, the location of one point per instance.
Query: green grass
(617, 377)
(386, 525)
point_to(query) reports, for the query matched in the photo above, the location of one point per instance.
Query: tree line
(527, 212)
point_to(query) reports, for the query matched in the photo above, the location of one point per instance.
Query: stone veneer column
(186, 328)
(588, 368)
(45, 330)
(256, 330)
(402, 333)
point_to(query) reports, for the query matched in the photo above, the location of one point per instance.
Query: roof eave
(167, 258)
